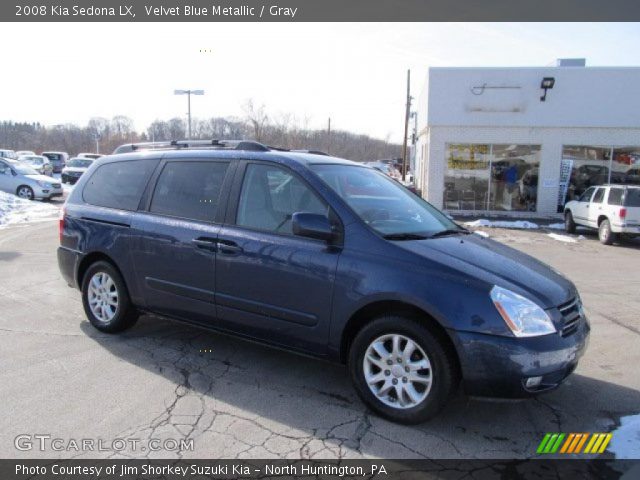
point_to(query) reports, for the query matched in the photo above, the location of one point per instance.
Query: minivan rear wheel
(401, 370)
(106, 300)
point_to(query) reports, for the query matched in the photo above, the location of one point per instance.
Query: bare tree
(257, 119)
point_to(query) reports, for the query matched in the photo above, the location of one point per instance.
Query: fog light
(533, 382)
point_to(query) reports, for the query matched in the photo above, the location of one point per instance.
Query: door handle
(228, 247)
(205, 243)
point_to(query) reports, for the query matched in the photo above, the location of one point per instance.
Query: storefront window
(466, 182)
(491, 177)
(586, 166)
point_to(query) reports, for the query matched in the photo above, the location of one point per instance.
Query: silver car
(23, 181)
(39, 163)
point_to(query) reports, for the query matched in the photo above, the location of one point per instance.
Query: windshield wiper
(404, 236)
(450, 231)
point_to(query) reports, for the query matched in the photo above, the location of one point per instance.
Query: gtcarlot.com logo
(574, 443)
(44, 442)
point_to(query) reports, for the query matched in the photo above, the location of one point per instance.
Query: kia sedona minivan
(321, 256)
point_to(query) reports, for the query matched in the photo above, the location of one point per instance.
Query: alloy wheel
(397, 371)
(103, 297)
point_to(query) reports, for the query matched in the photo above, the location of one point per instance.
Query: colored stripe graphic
(573, 443)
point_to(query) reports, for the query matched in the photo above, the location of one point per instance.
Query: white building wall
(597, 106)
(551, 141)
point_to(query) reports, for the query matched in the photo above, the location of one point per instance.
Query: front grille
(571, 314)
(56, 185)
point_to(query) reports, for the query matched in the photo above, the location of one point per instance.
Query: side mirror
(312, 225)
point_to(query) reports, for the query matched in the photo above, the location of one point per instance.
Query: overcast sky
(354, 73)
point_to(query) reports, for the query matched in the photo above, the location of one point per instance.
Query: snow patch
(520, 224)
(482, 233)
(562, 238)
(556, 226)
(14, 210)
(625, 441)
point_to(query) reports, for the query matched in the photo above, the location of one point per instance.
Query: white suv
(612, 209)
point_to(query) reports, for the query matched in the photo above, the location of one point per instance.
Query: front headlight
(44, 184)
(523, 317)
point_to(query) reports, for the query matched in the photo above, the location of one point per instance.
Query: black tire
(125, 315)
(569, 224)
(606, 236)
(25, 191)
(443, 371)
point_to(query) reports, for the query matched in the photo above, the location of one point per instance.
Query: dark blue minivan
(320, 256)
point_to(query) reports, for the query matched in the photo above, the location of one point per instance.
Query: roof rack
(246, 145)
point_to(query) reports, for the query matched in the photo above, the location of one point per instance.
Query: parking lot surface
(61, 377)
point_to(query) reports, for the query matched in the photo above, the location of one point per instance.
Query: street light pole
(188, 93)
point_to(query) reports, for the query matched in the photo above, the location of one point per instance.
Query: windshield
(384, 204)
(23, 169)
(79, 163)
(54, 157)
(32, 160)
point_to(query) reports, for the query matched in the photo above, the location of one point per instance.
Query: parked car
(632, 175)
(39, 163)
(22, 153)
(612, 209)
(57, 159)
(93, 156)
(285, 248)
(23, 181)
(10, 154)
(74, 169)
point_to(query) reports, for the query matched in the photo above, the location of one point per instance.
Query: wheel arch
(375, 309)
(89, 260)
(601, 218)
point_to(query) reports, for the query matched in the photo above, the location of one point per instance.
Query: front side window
(189, 190)
(119, 184)
(586, 196)
(271, 195)
(384, 204)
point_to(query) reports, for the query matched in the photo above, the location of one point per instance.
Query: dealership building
(523, 141)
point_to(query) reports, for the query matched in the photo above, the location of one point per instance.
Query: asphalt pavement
(61, 378)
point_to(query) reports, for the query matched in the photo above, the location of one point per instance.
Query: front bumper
(497, 366)
(41, 193)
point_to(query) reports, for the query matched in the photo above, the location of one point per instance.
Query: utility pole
(329, 137)
(406, 128)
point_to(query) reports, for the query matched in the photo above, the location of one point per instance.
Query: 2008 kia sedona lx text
(321, 256)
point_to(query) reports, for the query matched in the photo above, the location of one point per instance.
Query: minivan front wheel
(401, 370)
(106, 300)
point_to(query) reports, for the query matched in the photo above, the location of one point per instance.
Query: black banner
(337, 469)
(318, 10)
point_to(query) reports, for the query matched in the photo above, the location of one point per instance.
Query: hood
(42, 178)
(75, 169)
(501, 265)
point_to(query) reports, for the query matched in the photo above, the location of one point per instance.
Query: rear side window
(118, 184)
(615, 196)
(597, 198)
(632, 198)
(189, 189)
